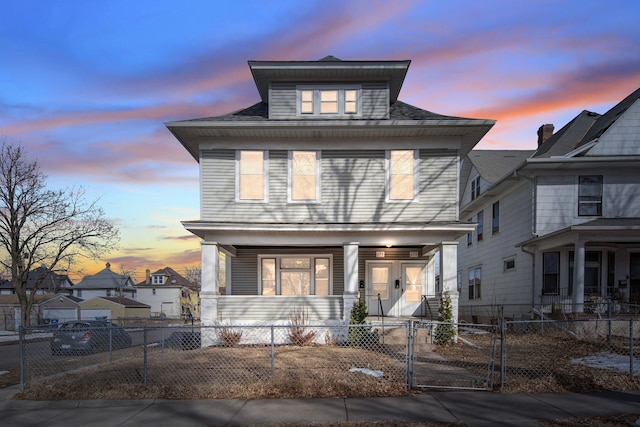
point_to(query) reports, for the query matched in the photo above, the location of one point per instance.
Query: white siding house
(105, 283)
(569, 220)
(327, 190)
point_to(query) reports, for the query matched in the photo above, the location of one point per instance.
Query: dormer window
(157, 280)
(334, 101)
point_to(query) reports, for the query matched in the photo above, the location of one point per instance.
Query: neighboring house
(47, 309)
(53, 283)
(105, 283)
(169, 294)
(119, 307)
(326, 190)
(558, 227)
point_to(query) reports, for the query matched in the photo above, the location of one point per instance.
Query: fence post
(144, 346)
(411, 329)
(21, 355)
(503, 352)
(273, 354)
(631, 350)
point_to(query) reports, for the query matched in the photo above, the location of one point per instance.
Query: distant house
(105, 283)
(169, 294)
(53, 283)
(119, 307)
(48, 309)
(326, 190)
(558, 227)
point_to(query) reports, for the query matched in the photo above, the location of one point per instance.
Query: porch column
(578, 277)
(350, 293)
(449, 274)
(209, 287)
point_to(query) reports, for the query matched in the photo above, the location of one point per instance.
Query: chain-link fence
(302, 360)
(576, 355)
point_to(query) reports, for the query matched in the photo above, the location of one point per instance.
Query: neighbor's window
(480, 222)
(495, 218)
(251, 175)
(469, 235)
(551, 273)
(509, 264)
(334, 101)
(157, 280)
(401, 174)
(475, 280)
(475, 188)
(304, 175)
(295, 275)
(590, 195)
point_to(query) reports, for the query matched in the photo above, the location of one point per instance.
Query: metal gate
(452, 356)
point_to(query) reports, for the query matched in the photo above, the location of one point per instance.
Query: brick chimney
(544, 132)
(147, 279)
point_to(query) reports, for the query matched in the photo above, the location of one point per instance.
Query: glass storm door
(413, 279)
(380, 291)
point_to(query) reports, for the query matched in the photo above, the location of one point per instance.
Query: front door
(395, 288)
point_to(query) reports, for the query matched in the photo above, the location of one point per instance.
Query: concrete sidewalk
(470, 408)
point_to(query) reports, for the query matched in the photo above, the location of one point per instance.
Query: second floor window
(304, 175)
(157, 280)
(495, 218)
(590, 195)
(401, 175)
(251, 182)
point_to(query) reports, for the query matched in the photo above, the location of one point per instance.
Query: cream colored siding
(352, 190)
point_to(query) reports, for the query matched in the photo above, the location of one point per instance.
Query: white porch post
(449, 274)
(350, 293)
(209, 288)
(578, 276)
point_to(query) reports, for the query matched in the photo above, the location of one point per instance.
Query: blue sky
(85, 86)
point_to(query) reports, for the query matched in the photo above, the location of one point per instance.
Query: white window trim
(265, 181)
(278, 257)
(341, 100)
(318, 198)
(416, 177)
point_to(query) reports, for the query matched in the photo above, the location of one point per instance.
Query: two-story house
(47, 282)
(558, 227)
(105, 283)
(169, 294)
(326, 190)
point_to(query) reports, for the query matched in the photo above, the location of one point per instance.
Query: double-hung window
(401, 175)
(590, 195)
(329, 100)
(495, 218)
(475, 282)
(304, 176)
(480, 225)
(295, 275)
(475, 188)
(251, 173)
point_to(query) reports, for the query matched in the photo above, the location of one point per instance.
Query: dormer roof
(329, 70)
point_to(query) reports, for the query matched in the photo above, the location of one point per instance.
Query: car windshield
(74, 325)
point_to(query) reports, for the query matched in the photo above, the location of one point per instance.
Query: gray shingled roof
(105, 279)
(569, 137)
(492, 165)
(607, 119)
(260, 112)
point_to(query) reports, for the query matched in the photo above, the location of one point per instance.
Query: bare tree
(194, 275)
(41, 226)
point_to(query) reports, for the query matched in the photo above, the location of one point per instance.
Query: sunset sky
(85, 86)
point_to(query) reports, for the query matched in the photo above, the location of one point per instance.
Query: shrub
(445, 331)
(230, 337)
(298, 334)
(358, 333)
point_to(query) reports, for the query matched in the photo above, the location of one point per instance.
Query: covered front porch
(584, 267)
(271, 271)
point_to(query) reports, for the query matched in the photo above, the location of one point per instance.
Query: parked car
(88, 336)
